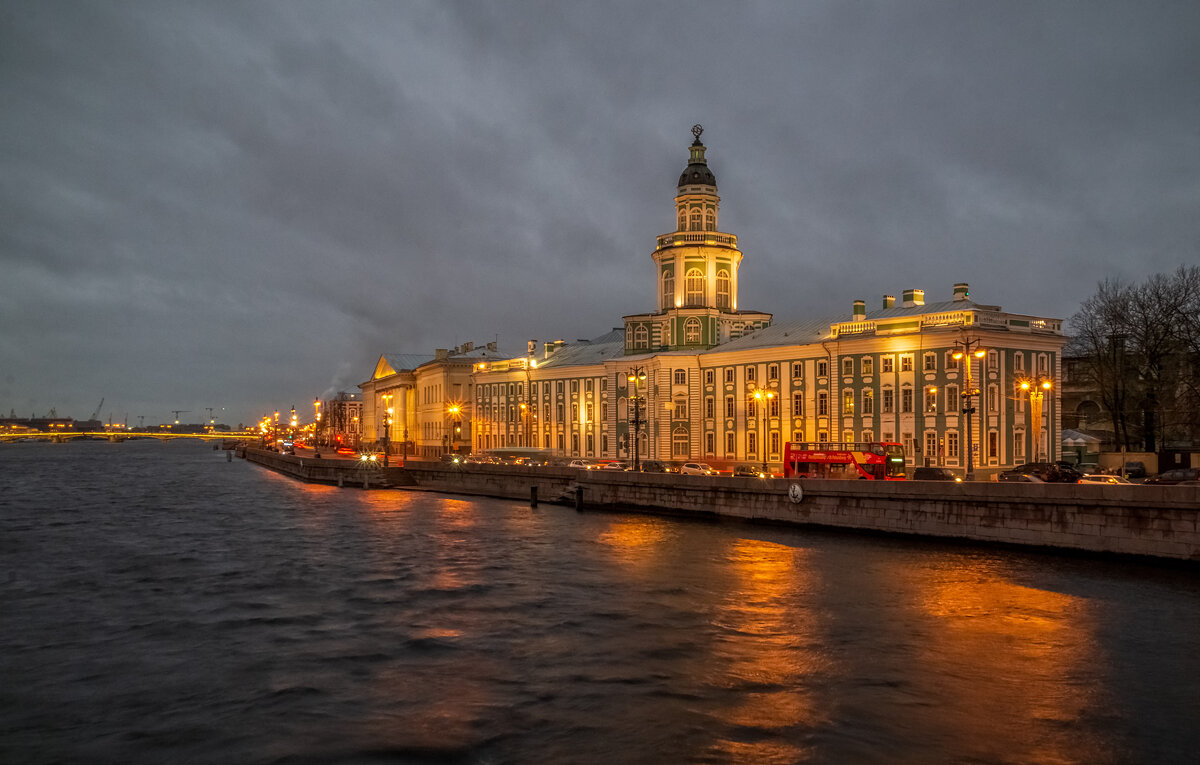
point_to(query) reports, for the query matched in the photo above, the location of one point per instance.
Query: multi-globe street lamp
(387, 425)
(761, 398)
(637, 376)
(966, 350)
(1036, 387)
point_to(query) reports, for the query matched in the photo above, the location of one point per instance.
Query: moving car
(696, 468)
(935, 474)
(1104, 479)
(654, 466)
(1018, 477)
(615, 466)
(748, 471)
(581, 465)
(1135, 469)
(1172, 477)
(1049, 472)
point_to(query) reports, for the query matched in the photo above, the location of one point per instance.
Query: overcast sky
(242, 205)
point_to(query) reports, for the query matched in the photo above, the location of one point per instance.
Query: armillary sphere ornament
(697, 130)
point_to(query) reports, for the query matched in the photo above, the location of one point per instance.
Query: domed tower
(697, 272)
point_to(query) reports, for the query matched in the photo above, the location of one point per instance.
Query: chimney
(491, 347)
(961, 291)
(860, 310)
(913, 298)
(531, 348)
(441, 353)
(468, 347)
(889, 301)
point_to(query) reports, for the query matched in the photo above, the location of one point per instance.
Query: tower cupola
(697, 172)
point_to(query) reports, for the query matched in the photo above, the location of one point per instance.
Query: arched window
(710, 221)
(679, 443)
(691, 329)
(682, 220)
(641, 338)
(693, 285)
(722, 289)
(695, 219)
(668, 288)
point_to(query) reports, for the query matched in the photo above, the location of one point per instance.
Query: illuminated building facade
(896, 373)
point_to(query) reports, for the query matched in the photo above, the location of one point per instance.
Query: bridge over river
(117, 436)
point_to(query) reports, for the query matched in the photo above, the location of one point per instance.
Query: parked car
(1104, 479)
(1135, 469)
(696, 468)
(1049, 472)
(654, 466)
(749, 471)
(1172, 477)
(935, 474)
(1089, 468)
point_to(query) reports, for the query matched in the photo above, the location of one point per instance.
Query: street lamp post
(454, 411)
(967, 349)
(637, 376)
(761, 398)
(387, 425)
(317, 428)
(1036, 388)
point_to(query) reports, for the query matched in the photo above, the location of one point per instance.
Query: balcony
(710, 238)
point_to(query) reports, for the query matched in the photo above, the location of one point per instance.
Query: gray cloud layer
(241, 205)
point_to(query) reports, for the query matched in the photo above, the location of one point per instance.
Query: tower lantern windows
(694, 287)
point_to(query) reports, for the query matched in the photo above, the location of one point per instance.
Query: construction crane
(179, 412)
(99, 406)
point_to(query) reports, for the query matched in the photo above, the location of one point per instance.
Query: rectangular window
(560, 416)
(931, 445)
(847, 402)
(681, 377)
(868, 366)
(710, 407)
(952, 444)
(847, 436)
(868, 404)
(1019, 361)
(1018, 447)
(993, 399)
(931, 399)
(906, 363)
(575, 387)
(603, 384)
(952, 401)
(587, 386)
(709, 377)
(822, 368)
(889, 401)
(909, 446)
(604, 410)
(847, 367)
(710, 444)
(889, 364)
(993, 444)
(822, 436)
(868, 436)
(729, 375)
(589, 411)
(930, 362)
(798, 404)
(774, 442)
(730, 443)
(823, 403)
(993, 360)
(797, 370)
(906, 400)
(951, 362)
(681, 409)
(558, 386)
(752, 409)
(730, 410)
(773, 406)
(772, 371)
(752, 444)
(751, 373)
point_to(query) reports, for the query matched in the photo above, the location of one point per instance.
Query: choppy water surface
(162, 605)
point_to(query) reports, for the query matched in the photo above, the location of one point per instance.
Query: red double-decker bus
(874, 461)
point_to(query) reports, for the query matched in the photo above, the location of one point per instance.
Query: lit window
(722, 289)
(693, 285)
(691, 330)
(668, 287)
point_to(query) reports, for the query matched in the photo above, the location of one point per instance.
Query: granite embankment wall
(1154, 521)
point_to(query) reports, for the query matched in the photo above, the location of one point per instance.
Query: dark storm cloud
(243, 204)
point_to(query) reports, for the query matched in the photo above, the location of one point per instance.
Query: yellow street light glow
(979, 354)
(1046, 384)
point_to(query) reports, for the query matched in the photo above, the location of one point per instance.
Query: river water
(160, 604)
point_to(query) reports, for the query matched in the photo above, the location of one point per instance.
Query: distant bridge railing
(71, 435)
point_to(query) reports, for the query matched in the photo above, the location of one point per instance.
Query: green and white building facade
(888, 374)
